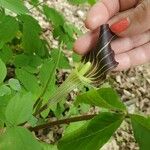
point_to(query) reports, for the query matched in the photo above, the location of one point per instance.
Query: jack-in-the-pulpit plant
(92, 69)
(29, 94)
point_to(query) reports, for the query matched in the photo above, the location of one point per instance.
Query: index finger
(102, 11)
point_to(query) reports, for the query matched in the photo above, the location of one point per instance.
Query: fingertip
(78, 47)
(84, 43)
(97, 16)
(124, 62)
(120, 26)
(91, 23)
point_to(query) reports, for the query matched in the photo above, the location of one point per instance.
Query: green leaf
(50, 90)
(1, 44)
(47, 77)
(75, 29)
(35, 60)
(59, 109)
(2, 117)
(21, 60)
(104, 97)
(92, 2)
(84, 108)
(29, 81)
(18, 138)
(63, 36)
(4, 90)
(63, 61)
(48, 146)
(19, 109)
(32, 42)
(63, 31)
(3, 71)
(31, 70)
(14, 84)
(1, 124)
(47, 71)
(68, 29)
(76, 57)
(141, 128)
(16, 6)
(24, 60)
(33, 121)
(8, 28)
(53, 16)
(73, 127)
(72, 111)
(77, 2)
(6, 54)
(112, 98)
(93, 134)
(4, 100)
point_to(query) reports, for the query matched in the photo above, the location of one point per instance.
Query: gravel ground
(133, 85)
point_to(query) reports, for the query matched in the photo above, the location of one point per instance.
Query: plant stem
(71, 83)
(63, 121)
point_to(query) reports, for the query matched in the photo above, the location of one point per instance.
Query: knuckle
(142, 11)
(130, 43)
(144, 7)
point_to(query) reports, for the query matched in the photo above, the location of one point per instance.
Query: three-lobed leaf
(141, 128)
(93, 134)
(18, 138)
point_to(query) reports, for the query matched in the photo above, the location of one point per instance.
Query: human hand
(130, 23)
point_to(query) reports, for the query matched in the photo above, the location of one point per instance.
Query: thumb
(133, 21)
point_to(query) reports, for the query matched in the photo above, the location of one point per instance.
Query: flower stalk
(74, 80)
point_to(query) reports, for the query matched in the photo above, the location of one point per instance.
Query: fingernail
(120, 26)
